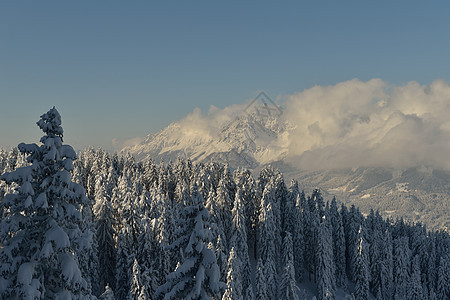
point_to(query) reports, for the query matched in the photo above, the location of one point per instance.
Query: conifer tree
(361, 268)
(198, 274)
(41, 233)
(246, 183)
(311, 216)
(137, 289)
(225, 205)
(234, 289)
(387, 266)
(326, 282)
(261, 284)
(443, 278)
(402, 258)
(288, 288)
(221, 258)
(106, 243)
(338, 244)
(298, 238)
(239, 239)
(267, 227)
(270, 273)
(415, 291)
(124, 263)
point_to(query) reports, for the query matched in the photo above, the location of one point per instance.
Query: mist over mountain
(350, 124)
(397, 134)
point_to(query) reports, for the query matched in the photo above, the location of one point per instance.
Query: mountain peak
(246, 140)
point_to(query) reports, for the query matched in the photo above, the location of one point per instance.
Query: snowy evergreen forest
(109, 227)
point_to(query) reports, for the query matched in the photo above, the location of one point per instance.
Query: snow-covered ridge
(250, 139)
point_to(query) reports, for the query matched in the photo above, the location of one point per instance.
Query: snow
(51, 155)
(199, 278)
(64, 295)
(26, 188)
(47, 250)
(58, 236)
(65, 177)
(68, 164)
(41, 201)
(25, 273)
(67, 151)
(28, 202)
(70, 270)
(247, 138)
(20, 174)
(28, 148)
(29, 287)
(183, 269)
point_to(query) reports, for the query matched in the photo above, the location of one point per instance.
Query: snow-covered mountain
(250, 139)
(255, 137)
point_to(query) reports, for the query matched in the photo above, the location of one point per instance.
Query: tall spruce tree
(361, 265)
(338, 244)
(415, 291)
(387, 266)
(197, 275)
(41, 233)
(326, 282)
(298, 237)
(261, 283)
(234, 289)
(402, 259)
(288, 286)
(443, 277)
(105, 237)
(239, 240)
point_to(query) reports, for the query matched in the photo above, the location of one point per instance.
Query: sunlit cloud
(350, 124)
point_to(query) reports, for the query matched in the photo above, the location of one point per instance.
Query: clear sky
(123, 69)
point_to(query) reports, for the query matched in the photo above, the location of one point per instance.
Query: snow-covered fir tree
(239, 241)
(105, 238)
(261, 283)
(124, 263)
(234, 289)
(326, 278)
(41, 232)
(361, 267)
(386, 267)
(338, 244)
(288, 286)
(138, 289)
(197, 275)
(402, 260)
(415, 291)
(443, 283)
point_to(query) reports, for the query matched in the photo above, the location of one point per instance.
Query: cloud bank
(371, 123)
(353, 124)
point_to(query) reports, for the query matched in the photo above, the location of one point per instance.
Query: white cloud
(371, 123)
(351, 124)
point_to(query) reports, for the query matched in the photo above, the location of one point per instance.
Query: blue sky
(117, 69)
